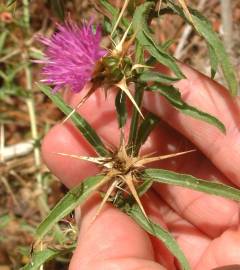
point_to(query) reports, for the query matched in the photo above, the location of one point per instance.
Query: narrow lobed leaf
(189, 181)
(204, 28)
(159, 232)
(84, 127)
(114, 12)
(213, 60)
(144, 187)
(153, 76)
(144, 37)
(173, 95)
(110, 8)
(68, 203)
(167, 44)
(41, 257)
(146, 127)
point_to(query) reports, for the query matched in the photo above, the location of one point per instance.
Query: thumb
(113, 240)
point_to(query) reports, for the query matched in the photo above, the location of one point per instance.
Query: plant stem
(43, 207)
(37, 157)
(227, 21)
(138, 99)
(42, 197)
(135, 118)
(26, 14)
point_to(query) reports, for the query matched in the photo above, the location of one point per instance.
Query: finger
(222, 251)
(100, 113)
(112, 240)
(195, 206)
(192, 241)
(207, 95)
(65, 138)
(211, 214)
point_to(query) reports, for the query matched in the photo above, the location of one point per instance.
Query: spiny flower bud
(116, 67)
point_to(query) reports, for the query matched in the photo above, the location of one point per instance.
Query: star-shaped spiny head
(122, 172)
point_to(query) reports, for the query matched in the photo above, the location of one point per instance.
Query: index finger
(207, 95)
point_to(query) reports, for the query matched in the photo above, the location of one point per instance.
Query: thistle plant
(76, 61)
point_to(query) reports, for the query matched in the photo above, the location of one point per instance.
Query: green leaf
(3, 75)
(87, 131)
(58, 8)
(36, 54)
(114, 12)
(144, 37)
(41, 257)
(153, 76)
(68, 203)
(204, 28)
(188, 181)
(107, 25)
(110, 8)
(167, 44)
(120, 103)
(151, 61)
(5, 219)
(3, 37)
(146, 127)
(173, 95)
(213, 61)
(10, 2)
(159, 232)
(144, 187)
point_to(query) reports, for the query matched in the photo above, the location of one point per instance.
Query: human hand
(206, 227)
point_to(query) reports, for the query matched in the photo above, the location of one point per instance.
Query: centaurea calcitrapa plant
(74, 60)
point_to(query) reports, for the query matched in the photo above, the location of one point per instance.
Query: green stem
(139, 90)
(135, 117)
(26, 14)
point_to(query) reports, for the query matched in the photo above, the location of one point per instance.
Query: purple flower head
(71, 55)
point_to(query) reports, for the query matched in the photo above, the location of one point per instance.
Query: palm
(205, 226)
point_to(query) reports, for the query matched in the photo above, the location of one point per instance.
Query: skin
(206, 227)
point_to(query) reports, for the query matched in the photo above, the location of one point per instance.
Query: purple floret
(71, 55)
